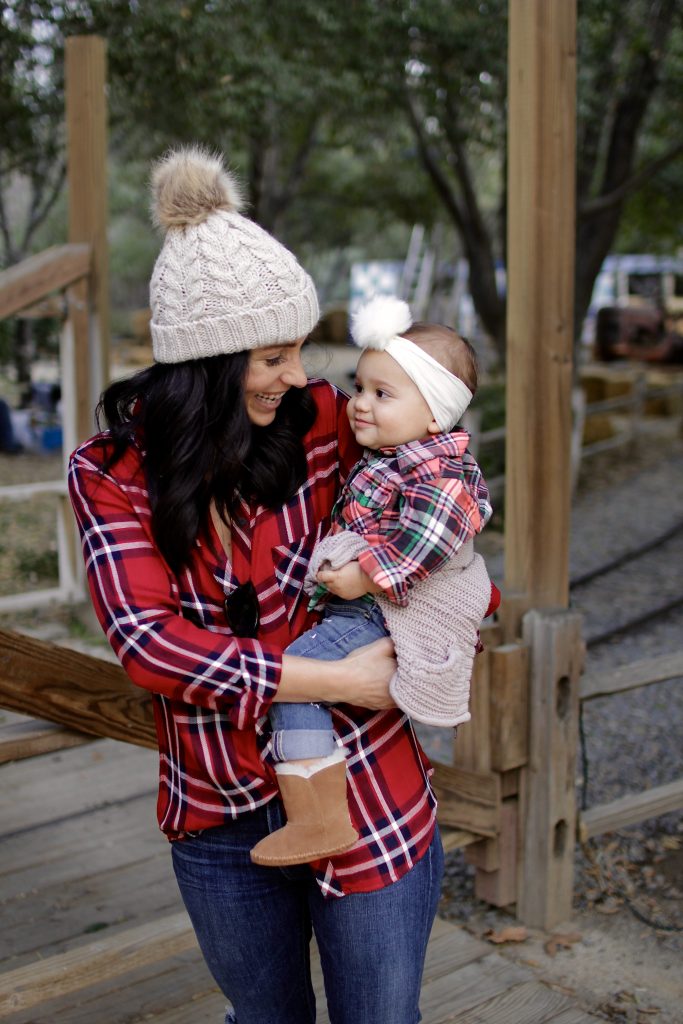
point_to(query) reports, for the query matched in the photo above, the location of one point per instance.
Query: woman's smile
(277, 367)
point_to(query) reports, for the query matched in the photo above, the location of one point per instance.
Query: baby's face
(387, 409)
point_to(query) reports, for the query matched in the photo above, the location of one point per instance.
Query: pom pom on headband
(380, 320)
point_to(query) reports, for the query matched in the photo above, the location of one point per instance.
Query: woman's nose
(294, 374)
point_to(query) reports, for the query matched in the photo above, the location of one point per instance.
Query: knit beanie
(221, 284)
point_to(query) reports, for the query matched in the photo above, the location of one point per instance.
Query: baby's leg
(310, 765)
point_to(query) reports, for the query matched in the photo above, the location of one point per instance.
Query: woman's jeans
(254, 926)
(305, 730)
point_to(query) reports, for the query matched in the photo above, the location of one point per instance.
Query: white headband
(378, 325)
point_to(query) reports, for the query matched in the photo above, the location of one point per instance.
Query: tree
(452, 75)
(32, 162)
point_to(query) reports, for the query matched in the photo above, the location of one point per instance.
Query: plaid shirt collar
(416, 453)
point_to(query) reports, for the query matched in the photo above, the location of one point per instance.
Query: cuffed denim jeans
(254, 928)
(305, 730)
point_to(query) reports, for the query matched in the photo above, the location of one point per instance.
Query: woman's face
(271, 373)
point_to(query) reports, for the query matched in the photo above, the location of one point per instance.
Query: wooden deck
(94, 931)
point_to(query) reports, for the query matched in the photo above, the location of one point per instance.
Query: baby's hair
(448, 348)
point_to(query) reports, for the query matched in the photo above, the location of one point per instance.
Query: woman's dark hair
(199, 444)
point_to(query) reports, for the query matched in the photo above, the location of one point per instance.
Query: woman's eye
(274, 361)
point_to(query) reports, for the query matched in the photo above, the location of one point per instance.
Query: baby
(399, 559)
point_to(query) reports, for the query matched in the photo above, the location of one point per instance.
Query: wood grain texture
(73, 689)
(37, 276)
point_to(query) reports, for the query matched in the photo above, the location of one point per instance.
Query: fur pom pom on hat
(380, 320)
(221, 284)
(188, 185)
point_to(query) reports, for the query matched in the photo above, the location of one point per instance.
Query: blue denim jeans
(254, 927)
(305, 730)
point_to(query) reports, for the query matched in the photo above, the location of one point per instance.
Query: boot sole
(280, 862)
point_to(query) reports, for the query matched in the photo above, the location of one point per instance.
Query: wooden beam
(28, 739)
(95, 962)
(37, 276)
(548, 783)
(540, 279)
(630, 677)
(73, 689)
(509, 695)
(468, 800)
(631, 809)
(86, 125)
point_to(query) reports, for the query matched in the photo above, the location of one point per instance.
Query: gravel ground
(623, 950)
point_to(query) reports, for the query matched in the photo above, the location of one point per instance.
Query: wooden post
(86, 120)
(540, 278)
(548, 785)
(540, 285)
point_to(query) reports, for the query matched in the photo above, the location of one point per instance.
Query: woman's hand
(368, 672)
(361, 678)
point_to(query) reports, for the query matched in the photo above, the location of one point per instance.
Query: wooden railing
(59, 269)
(632, 403)
(634, 807)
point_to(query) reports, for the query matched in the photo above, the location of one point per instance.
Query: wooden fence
(632, 404)
(61, 269)
(635, 807)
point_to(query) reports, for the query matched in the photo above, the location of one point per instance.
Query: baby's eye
(357, 387)
(380, 393)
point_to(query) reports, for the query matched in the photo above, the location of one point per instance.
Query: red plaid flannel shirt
(211, 690)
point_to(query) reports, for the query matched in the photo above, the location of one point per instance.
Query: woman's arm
(361, 678)
(138, 605)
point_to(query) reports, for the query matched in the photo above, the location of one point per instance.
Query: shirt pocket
(290, 563)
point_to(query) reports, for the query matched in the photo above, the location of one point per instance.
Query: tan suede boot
(318, 822)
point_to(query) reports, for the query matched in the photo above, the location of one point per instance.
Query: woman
(198, 511)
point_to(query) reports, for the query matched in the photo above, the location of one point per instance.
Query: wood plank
(106, 958)
(24, 492)
(86, 126)
(49, 271)
(56, 918)
(77, 846)
(575, 1016)
(548, 793)
(472, 749)
(468, 800)
(499, 886)
(540, 297)
(456, 838)
(529, 1003)
(631, 809)
(29, 739)
(445, 998)
(629, 677)
(509, 696)
(149, 993)
(77, 781)
(73, 689)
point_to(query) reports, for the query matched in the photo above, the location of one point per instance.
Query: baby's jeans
(305, 730)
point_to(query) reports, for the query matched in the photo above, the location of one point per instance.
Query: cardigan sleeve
(137, 602)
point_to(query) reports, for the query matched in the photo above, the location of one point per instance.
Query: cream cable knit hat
(221, 284)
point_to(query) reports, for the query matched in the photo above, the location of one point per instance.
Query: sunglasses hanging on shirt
(241, 610)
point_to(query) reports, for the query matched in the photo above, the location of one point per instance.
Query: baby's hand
(349, 582)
